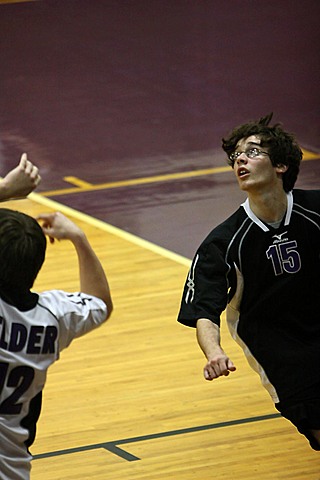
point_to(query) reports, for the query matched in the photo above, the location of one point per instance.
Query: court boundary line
(113, 446)
(107, 227)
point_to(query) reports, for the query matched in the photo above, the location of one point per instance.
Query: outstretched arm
(208, 336)
(20, 181)
(93, 280)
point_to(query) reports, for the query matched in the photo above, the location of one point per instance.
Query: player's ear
(281, 168)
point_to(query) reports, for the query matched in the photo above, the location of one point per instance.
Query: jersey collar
(257, 220)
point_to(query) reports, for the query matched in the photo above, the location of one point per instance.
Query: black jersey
(269, 281)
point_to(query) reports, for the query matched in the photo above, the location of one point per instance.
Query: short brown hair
(282, 146)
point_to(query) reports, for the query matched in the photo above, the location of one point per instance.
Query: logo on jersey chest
(280, 238)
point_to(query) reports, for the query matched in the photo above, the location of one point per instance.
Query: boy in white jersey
(262, 263)
(34, 328)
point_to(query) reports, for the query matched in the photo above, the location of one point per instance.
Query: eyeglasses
(250, 153)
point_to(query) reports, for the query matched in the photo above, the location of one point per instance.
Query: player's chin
(244, 186)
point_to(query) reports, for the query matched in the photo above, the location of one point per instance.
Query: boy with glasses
(262, 263)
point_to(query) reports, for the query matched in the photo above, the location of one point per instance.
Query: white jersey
(30, 341)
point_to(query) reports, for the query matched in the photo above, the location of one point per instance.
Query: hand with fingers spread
(20, 181)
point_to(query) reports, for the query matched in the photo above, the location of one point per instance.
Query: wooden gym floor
(123, 105)
(128, 401)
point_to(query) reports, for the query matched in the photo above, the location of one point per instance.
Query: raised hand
(20, 181)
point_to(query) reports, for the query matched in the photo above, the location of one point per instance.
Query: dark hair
(282, 146)
(22, 250)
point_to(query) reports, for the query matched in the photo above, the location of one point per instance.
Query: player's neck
(269, 206)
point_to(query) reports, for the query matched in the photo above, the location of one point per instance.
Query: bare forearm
(208, 336)
(93, 280)
(218, 363)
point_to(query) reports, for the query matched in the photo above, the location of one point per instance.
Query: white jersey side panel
(232, 316)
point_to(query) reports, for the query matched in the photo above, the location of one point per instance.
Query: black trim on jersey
(30, 421)
(82, 299)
